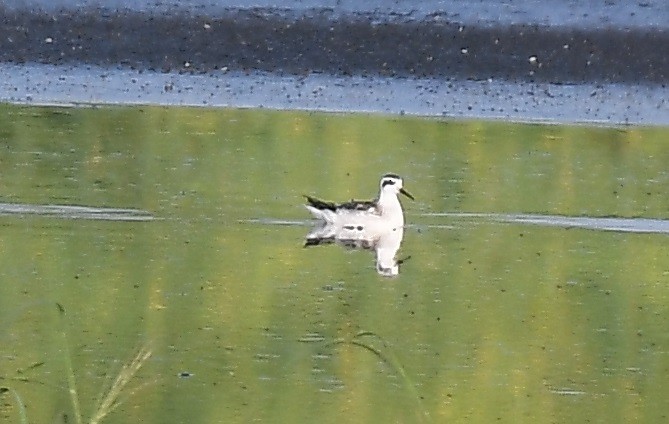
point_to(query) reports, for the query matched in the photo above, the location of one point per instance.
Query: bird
(376, 225)
(360, 219)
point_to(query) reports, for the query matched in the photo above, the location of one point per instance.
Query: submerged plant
(23, 417)
(385, 354)
(110, 399)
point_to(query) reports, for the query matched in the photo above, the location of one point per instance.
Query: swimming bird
(354, 219)
(376, 225)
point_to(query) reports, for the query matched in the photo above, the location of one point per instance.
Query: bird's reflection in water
(384, 243)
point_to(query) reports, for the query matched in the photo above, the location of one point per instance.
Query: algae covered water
(164, 247)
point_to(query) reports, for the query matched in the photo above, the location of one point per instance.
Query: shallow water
(519, 303)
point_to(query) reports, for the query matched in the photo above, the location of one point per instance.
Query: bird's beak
(406, 193)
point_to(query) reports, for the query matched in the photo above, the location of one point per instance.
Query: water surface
(491, 319)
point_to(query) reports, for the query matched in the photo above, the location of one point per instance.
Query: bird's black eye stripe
(386, 182)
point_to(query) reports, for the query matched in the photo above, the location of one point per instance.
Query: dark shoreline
(263, 40)
(516, 61)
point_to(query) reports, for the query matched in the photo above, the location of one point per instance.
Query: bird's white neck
(390, 207)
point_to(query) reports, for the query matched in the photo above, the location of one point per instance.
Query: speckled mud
(524, 101)
(606, 62)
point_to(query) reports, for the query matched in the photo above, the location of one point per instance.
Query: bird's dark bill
(406, 193)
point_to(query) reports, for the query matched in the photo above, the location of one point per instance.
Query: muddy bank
(457, 49)
(319, 40)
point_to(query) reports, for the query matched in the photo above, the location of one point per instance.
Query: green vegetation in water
(490, 320)
(109, 400)
(386, 354)
(21, 409)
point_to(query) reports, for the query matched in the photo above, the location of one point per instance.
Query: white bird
(356, 216)
(369, 225)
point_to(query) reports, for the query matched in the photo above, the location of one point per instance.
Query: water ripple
(628, 225)
(75, 212)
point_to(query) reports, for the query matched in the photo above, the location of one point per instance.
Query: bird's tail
(325, 215)
(325, 211)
